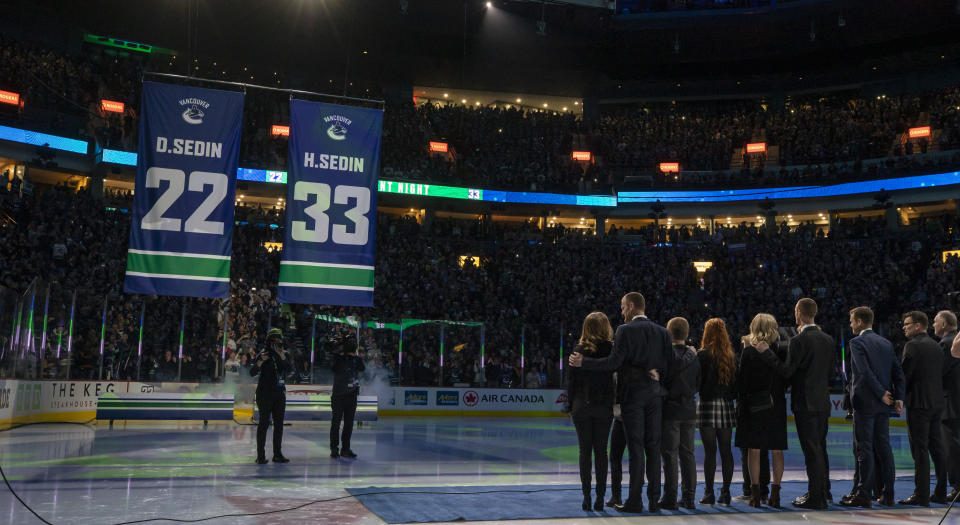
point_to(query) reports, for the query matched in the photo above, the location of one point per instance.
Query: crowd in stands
(817, 138)
(526, 292)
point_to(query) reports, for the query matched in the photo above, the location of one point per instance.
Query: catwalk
(91, 474)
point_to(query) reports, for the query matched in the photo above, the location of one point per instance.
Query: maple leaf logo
(471, 398)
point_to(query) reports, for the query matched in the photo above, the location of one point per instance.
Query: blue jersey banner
(328, 245)
(182, 230)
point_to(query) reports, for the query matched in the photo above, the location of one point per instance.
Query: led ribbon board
(328, 246)
(181, 233)
(795, 192)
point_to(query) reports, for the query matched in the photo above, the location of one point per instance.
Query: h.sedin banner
(182, 226)
(328, 245)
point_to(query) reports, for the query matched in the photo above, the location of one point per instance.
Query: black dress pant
(872, 431)
(951, 440)
(923, 430)
(811, 430)
(642, 419)
(592, 435)
(677, 446)
(618, 443)
(271, 407)
(344, 409)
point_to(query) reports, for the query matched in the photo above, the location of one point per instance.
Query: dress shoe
(633, 509)
(668, 504)
(708, 498)
(614, 501)
(800, 500)
(857, 501)
(586, 503)
(598, 505)
(687, 503)
(654, 508)
(938, 498)
(280, 459)
(742, 497)
(953, 495)
(347, 453)
(261, 460)
(811, 505)
(915, 500)
(886, 501)
(847, 497)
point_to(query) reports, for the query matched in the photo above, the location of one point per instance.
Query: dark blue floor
(487, 503)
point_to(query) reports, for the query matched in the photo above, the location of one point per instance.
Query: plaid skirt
(716, 413)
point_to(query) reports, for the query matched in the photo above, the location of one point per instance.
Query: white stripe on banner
(328, 286)
(328, 265)
(185, 277)
(180, 254)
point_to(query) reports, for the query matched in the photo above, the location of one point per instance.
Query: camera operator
(346, 387)
(272, 365)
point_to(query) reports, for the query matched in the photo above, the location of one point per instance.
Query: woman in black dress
(715, 414)
(762, 411)
(590, 396)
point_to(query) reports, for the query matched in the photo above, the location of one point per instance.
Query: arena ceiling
(465, 44)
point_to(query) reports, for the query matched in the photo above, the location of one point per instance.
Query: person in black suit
(680, 420)
(945, 327)
(272, 366)
(639, 346)
(877, 386)
(809, 364)
(590, 396)
(346, 367)
(923, 369)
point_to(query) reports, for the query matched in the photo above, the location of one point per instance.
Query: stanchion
(183, 318)
(73, 306)
(103, 333)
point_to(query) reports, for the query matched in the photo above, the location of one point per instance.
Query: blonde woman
(590, 396)
(762, 410)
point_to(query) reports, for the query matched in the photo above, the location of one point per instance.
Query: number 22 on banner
(197, 222)
(341, 195)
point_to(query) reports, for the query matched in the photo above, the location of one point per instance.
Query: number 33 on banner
(197, 222)
(341, 195)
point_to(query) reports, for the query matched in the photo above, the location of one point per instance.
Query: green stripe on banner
(178, 265)
(293, 274)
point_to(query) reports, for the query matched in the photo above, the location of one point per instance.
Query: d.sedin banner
(182, 226)
(328, 246)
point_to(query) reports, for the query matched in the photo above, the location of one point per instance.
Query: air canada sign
(496, 399)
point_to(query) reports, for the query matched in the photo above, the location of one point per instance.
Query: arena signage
(181, 233)
(111, 106)
(9, 97)
(334, 161)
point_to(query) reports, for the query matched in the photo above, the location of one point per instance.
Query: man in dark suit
(923, 368)
(810, 360)
(877, 385)
(639, 345)
(945, 327)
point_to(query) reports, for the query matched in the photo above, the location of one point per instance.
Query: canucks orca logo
(337, 131)
(338, 127)
(193, 114)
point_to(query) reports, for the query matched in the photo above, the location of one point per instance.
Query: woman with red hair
(715, 413)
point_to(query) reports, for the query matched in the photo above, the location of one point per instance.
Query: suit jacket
(951, 379)
(680, 404)
(923, 368)
(875, 369)
(638, 346)
(808, 366)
